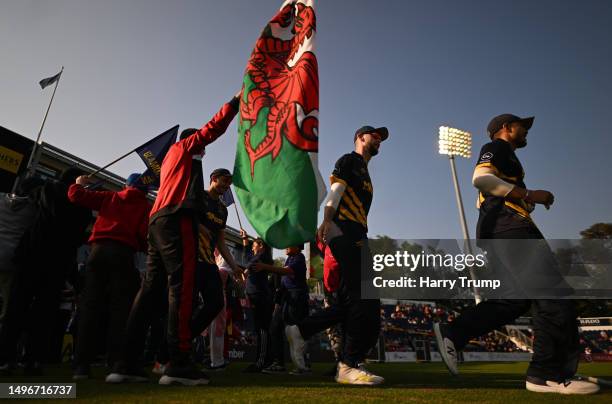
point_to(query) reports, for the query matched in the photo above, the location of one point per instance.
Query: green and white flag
(276, 173)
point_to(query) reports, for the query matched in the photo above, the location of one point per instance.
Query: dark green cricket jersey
(497, 212)
(352, 213)
(213, 216)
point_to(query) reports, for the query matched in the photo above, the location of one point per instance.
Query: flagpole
(132, 151)
(239, 222)
(111, 163)
(42, 125)
(35, 148)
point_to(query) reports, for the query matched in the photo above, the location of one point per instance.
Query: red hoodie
(181, 183)
(122, 216)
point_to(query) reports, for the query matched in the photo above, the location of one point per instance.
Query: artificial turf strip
(410, 382)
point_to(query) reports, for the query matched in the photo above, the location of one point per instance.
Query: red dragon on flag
(276, 176)
(286, 79)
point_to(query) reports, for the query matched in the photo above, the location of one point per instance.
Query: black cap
(382, 131)
(499, 121)
(187, 132)
(220, 172)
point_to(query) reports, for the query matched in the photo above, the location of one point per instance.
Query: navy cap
(499, 121)
(220, 172)
(133, 180)
(382, 131)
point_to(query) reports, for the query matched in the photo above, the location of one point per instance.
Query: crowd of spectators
(599, 342)
(403, 323)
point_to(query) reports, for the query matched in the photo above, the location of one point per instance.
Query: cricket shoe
(123, 374)
(296, 346)
(571, 386)
(186, 376)
(358, 376)
(446, 348)
(300, 372)
(274, 369)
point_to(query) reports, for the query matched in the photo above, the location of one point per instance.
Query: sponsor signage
(14, 155)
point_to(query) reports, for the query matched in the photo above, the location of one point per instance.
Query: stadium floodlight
(456, 142)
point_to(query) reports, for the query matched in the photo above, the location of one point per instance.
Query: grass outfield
(410, 382)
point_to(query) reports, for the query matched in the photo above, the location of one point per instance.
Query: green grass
(413, 382)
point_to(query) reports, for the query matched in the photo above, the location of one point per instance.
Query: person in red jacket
(119, 231)
(172, 257)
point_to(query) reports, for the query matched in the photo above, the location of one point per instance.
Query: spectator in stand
(603, 336)
(120, 230)
(45, 257)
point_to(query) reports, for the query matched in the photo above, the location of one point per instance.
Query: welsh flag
(276, 173)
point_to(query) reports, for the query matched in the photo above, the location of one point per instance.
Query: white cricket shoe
(568, 387)
(296, 346)
(446, 348)
(116, 378)
(358, 376)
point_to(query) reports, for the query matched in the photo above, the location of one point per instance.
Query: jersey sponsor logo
(213, 218)
(486, 156)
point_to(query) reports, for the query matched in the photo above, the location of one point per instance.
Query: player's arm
(339, 178)
(78, 195)
(260, 266)
(217, 126)
(225, 253)
(486, 180)
(331, 205)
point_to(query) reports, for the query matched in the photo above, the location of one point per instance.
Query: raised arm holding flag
(173, 258)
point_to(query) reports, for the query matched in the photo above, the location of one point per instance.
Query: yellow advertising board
(10, 160)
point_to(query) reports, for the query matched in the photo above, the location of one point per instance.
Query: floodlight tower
(455, 142)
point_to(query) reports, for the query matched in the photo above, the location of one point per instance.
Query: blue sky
(134, 69)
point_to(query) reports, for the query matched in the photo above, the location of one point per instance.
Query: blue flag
(152, 154)
(227, 198)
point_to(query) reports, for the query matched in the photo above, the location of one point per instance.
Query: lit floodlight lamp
(454, 142)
